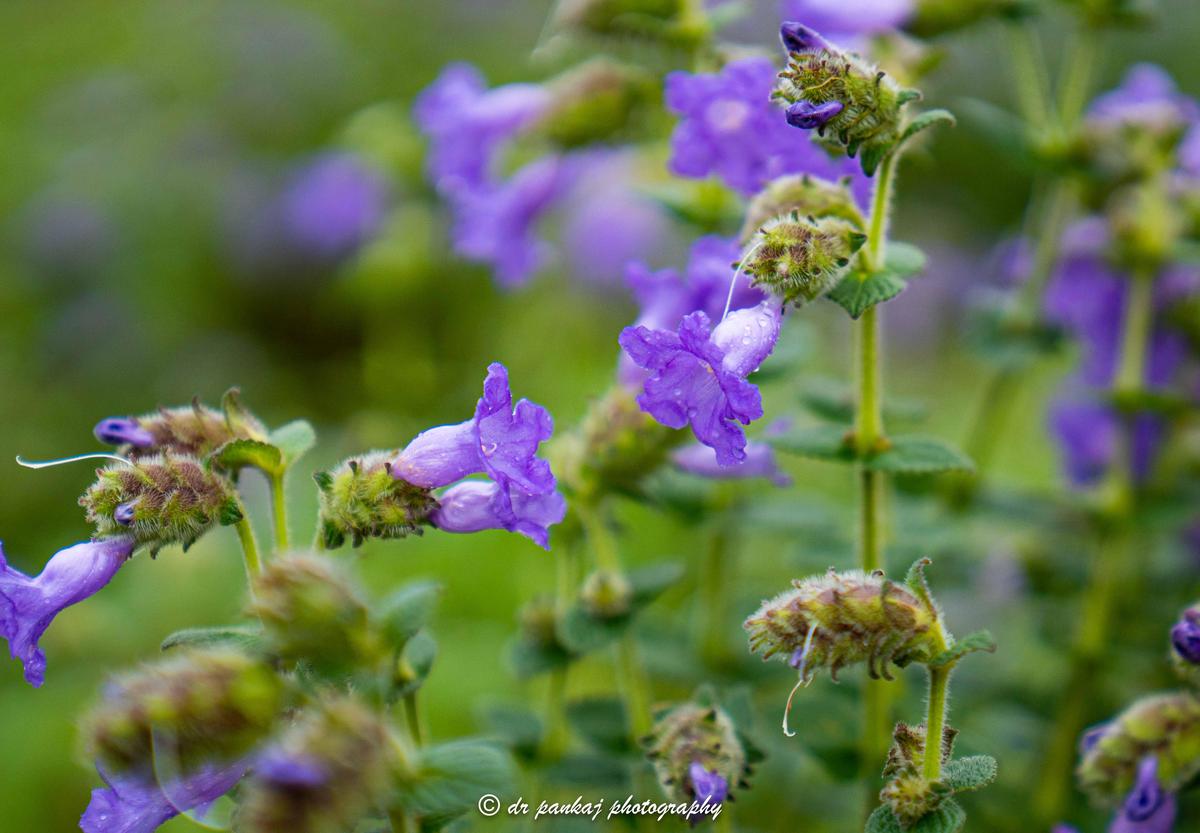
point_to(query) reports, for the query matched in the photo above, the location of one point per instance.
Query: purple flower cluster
(500, 441)
(730, 128)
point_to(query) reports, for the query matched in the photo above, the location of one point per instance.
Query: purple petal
(123, 431)
(439, 456)
(748, 336)
(1148, 808)
(707, 786)
(283, 768)
(1087, 434)
(1185, 636)
(801, 39)
(808, 116)
(842, 19)
(334, 205)
(476, 505)
(28, 605)
(508, 437)
(760, 462)
(137, 804)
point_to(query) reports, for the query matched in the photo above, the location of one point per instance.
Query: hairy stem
(279, 511)
(935, 721)
(245, 534)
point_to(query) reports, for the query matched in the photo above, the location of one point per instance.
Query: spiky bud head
(597, 101)
(799, 259)
(188, 710)
(160, 500)
(194, 430)
(1165, 726)
(360, 499)
(908, 793)
(322, 776)
(606, 594)
(841, 619)
(312, 612)
(694, 733)
(801, 195)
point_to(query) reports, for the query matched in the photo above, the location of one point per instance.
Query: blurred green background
(139, 139)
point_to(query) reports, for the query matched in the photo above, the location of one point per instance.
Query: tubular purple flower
(707, 786)
(28, 605)
(800, 39)
(760, 461)
(1148, 808)
(1185, 636)
(476, 505)
(334, 205)
(123, 431)
(698, 375)
(139, 804)
(809, 116)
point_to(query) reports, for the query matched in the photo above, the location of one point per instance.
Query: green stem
(400, 822)
(713, 598)
(935, 721)
(279, 511)
(633, 685)
(1135, 338)
(412, 716)
(1080, 62)
(245, 535)
(557, 735)
(604, 546)
(1030, 74)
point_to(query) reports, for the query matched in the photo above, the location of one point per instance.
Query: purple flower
(139, 804)
(282, 768)
(730, 128)
(467, 124)
(708, 787)
(698, 375)
(476, 505)
(809, 116)
(760, 462)
(333, 206)
(800, 39)
(1185, 636)
(1087, 435)
(1090, 737)
(1148, 808)
(1147, 96)
(123, 431)
(844, 19)
(29, 605)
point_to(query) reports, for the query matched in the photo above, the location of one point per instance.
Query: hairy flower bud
(800, 259)
(606, 594)
(322, 776)
(160, 500)
(1166, 726)
(195, 430)
(804, 196)
(312, 612)
(697, 753)
(597, 101)
(842, 97)
(361, 498)
(197, 708)
(907, 792)
(845, 618)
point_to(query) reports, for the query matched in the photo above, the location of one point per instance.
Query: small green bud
(160, 500)
(689, 734)
(597, 101)
(199, 707)
(1166, 726)
(360, 499)
(312, 612)
(606, 594)
(804, 196)
(910, 796)
(800, 259)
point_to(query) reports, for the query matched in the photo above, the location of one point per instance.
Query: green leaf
(834, 400)
(824, 442)
(602, 722)
(452, 776)
(883, 820)
(530, 658)
(415, 663)
(236, 455)
(970, 644)
(858, 292)
(904, 259)
(408, 609)
(592, 771)
(926, 120)
(947, 818)
(649, 582)
(294, 440)
(973, 773)
(913, 454)
(243, 637)
(516, 727)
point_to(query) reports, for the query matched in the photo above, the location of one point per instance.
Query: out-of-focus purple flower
(1146, 96)
(497, 224)
(283, 768)
(760, 462)
(731, 128)
(467, 124)
(1090, 737)
(1148, 808)
(1185, 636)
(1189, 152)
(698, 374)
(28, 605)
(123, 431)
(139, 804)
(333, 205)
(707, 786)
(845, 19)
(1087, 435)
(476, 505)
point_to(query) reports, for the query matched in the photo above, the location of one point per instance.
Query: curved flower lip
(800, 39)
(809, 116)
(134, 803)
(477, 505)
(28, 605)
(1148, 808)
(123, 431)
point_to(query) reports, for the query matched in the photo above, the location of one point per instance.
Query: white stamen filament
(737, 272)
(45, 464)
(800, 682)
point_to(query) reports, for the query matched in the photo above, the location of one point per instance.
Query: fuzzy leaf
(236, 455)
(530, 658)
(947, 818)
(518, 728)
(926, 120)
(602, 722)
(243, 637)
(912, 454)
(294, 440)
(824, 442)
(408, 609)
(970, 644)
(973, 773)
(858, 292)
(904, 259)
(451, 777)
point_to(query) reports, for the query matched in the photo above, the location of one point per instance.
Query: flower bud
(594, 102)
(606, 594)
(804, 196)
(799, 260)
(1166, 726)
(361, 498)
(697, 754)
(910, 796)
(322, 776)
(195, 430)
(159, 500)
(311, 612)
(198, 708)
(1185, 642)
(840, 619)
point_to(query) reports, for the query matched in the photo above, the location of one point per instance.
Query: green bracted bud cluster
(910, 796)
(200, 707)
(606, 594)
(799, 259)
(869, 122)
(160, 500)
(360, 499)
(197, 430)
(312, 612)
(845, 618)
(696, 733)
(350, 746)
(1166, 726)
(597, 101)
(801, 195)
